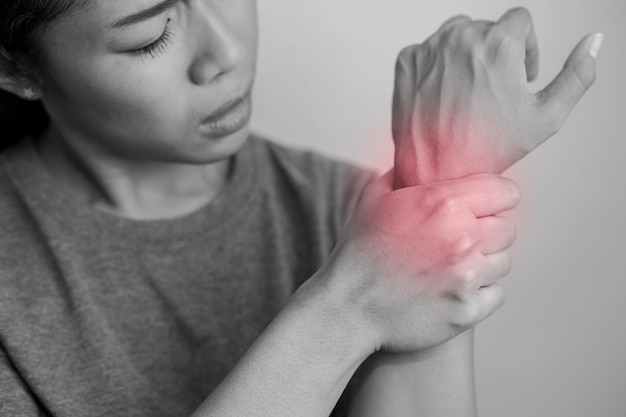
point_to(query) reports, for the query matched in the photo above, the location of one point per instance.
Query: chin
(211, 150)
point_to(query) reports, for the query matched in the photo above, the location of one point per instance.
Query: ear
(14, 81)
(20, 88)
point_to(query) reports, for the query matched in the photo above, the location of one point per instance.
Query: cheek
(130, 98)
(144, 95)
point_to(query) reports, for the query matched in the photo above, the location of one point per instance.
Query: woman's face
(153, 80)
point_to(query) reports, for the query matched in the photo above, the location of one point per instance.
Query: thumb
(558, 99)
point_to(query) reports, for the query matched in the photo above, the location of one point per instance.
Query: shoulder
(10, 204)
(18, 230)
(311, 171)
(308, 190)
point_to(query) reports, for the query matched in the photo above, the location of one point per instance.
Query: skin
(462, 101)
(133, 121)
(126, 136)
(483, 119)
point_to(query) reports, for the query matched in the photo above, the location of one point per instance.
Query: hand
(418, 266)
(461, 100)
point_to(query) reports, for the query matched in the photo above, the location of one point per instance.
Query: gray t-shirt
(106, 316)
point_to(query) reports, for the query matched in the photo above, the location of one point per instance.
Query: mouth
(229, 117)
(226, 107)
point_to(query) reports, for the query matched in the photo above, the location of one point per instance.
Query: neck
(128, 188)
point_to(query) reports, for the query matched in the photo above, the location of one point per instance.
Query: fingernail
(596, 44)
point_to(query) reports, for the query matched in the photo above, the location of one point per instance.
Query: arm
(461, 120)
(299, 366)
(437, 382)
(364, 300)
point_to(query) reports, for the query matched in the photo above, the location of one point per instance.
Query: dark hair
(22, 22)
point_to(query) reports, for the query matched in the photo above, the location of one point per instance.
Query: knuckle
(462, 34)
(459, 19)
(499, 298)
(497, 34)
(522, 12)
(407, 53)
(429, 200)
(470, 277)
(461, 245)
(448, 205)
(466, 278)
(467, 315)
(436, 200)
(453, 21)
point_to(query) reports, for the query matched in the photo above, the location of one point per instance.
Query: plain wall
(558, 346)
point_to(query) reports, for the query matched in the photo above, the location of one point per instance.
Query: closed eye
(157, 47)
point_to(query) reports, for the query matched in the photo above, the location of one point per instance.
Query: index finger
(485, 194)
(519, 24)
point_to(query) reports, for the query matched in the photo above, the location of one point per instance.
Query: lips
(225, 108)
(228, 118)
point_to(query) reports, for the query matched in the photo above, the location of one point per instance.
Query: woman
(158, 259)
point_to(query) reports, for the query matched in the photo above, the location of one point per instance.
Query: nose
(218, 51)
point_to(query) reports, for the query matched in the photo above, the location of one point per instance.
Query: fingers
(455, 20)
(497, 234)
(518, 23)
(484, 194)
(490, 295)
(483, 295)
(445, 26)
(558, 99)
(497, 266)
(496, 196)
(462, 19)
(489, 299)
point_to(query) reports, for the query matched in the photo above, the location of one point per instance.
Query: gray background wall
(558, 346)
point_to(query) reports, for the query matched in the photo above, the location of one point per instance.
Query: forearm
(299, 366)
(438, 382)
(433, 383)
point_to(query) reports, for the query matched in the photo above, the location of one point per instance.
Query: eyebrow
(144, 14)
